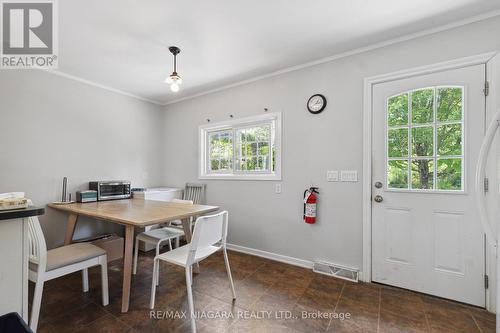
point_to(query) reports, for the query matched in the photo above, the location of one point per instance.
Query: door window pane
(397, 174)
(422, 141)
(397, 110)
(422, 174)
(449, 139)
(449, 174)
(422, 106)
(449, 102)
(398, 142)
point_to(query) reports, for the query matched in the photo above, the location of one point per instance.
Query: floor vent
(338, 271)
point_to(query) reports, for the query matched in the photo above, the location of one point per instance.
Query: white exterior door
(427, 131)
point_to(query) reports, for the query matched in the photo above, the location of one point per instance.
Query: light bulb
(169, 80)
(174, 87)
(179, 80)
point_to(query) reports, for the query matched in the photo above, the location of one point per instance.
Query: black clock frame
(322, 108)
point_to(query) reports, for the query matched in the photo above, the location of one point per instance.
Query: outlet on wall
(277, 188)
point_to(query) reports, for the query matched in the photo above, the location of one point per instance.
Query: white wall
(312, 144)
(52, 127)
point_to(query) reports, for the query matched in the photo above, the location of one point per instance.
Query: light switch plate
(277, 188)
(332, 176)
(349, 176)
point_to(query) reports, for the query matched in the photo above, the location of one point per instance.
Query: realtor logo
(29, 34)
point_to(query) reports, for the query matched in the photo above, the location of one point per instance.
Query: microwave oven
(111, 190)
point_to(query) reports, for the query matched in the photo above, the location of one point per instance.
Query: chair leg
(190, 299)
(35, 306)
(136, 254)
(85, 279)
(156, 264)
(170, 244)
(177, 239)
(191, 273)
(104, 279)
(228, 269)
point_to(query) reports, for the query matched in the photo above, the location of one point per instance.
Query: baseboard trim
(272, 256)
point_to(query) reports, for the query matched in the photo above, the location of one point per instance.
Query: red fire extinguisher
(310, 205)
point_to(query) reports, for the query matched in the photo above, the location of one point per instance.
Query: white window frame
(234, 124)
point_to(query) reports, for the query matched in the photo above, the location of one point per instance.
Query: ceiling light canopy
(174, 79)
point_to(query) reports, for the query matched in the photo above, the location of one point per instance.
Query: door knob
(378, 184)
(378, 198)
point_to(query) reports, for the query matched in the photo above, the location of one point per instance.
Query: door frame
(369, 82)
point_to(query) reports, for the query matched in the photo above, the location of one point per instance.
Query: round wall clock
(316, 103)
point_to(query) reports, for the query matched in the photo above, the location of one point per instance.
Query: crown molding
(371, 47)
(102, 86)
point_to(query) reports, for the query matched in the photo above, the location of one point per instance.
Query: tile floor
(289, 293)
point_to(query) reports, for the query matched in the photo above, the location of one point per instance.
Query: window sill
(241, 177)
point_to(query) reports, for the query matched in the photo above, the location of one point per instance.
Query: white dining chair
(159, 236)
(47, 265)
(209, 236)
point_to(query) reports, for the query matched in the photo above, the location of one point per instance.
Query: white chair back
(37, 246)
(181, 201)
(195, 192)
(210, 230)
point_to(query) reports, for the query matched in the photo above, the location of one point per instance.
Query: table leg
(127, 267)
(188, 235)
(70, 228)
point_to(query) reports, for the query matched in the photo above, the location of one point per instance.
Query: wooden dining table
(131, 213)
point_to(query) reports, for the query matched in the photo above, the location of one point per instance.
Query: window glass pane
(263, 163)
(449, 174)
(449, 104)
(422, 139)
(262, 134)
(220, 150)
(214, 164)
(397, 142)
(397, 110)
(422, 106)
(263, 148)
(436, 139)
(449, 139)
(245, 149)
(225, 164)
(273, 165)
(252, 148)
(422, 174)
(241, 164)
(397, 174)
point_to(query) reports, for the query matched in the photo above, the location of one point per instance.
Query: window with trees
(425, 141)
(247, 148)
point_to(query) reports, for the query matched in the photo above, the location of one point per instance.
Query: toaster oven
(111, 190)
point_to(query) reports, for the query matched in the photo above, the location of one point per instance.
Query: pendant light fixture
(174, 79)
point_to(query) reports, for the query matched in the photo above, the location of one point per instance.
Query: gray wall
(52, 127)
(332, 140)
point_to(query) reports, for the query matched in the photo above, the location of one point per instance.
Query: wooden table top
(136, 212)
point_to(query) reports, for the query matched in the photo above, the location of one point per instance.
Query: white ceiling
(123, 43)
